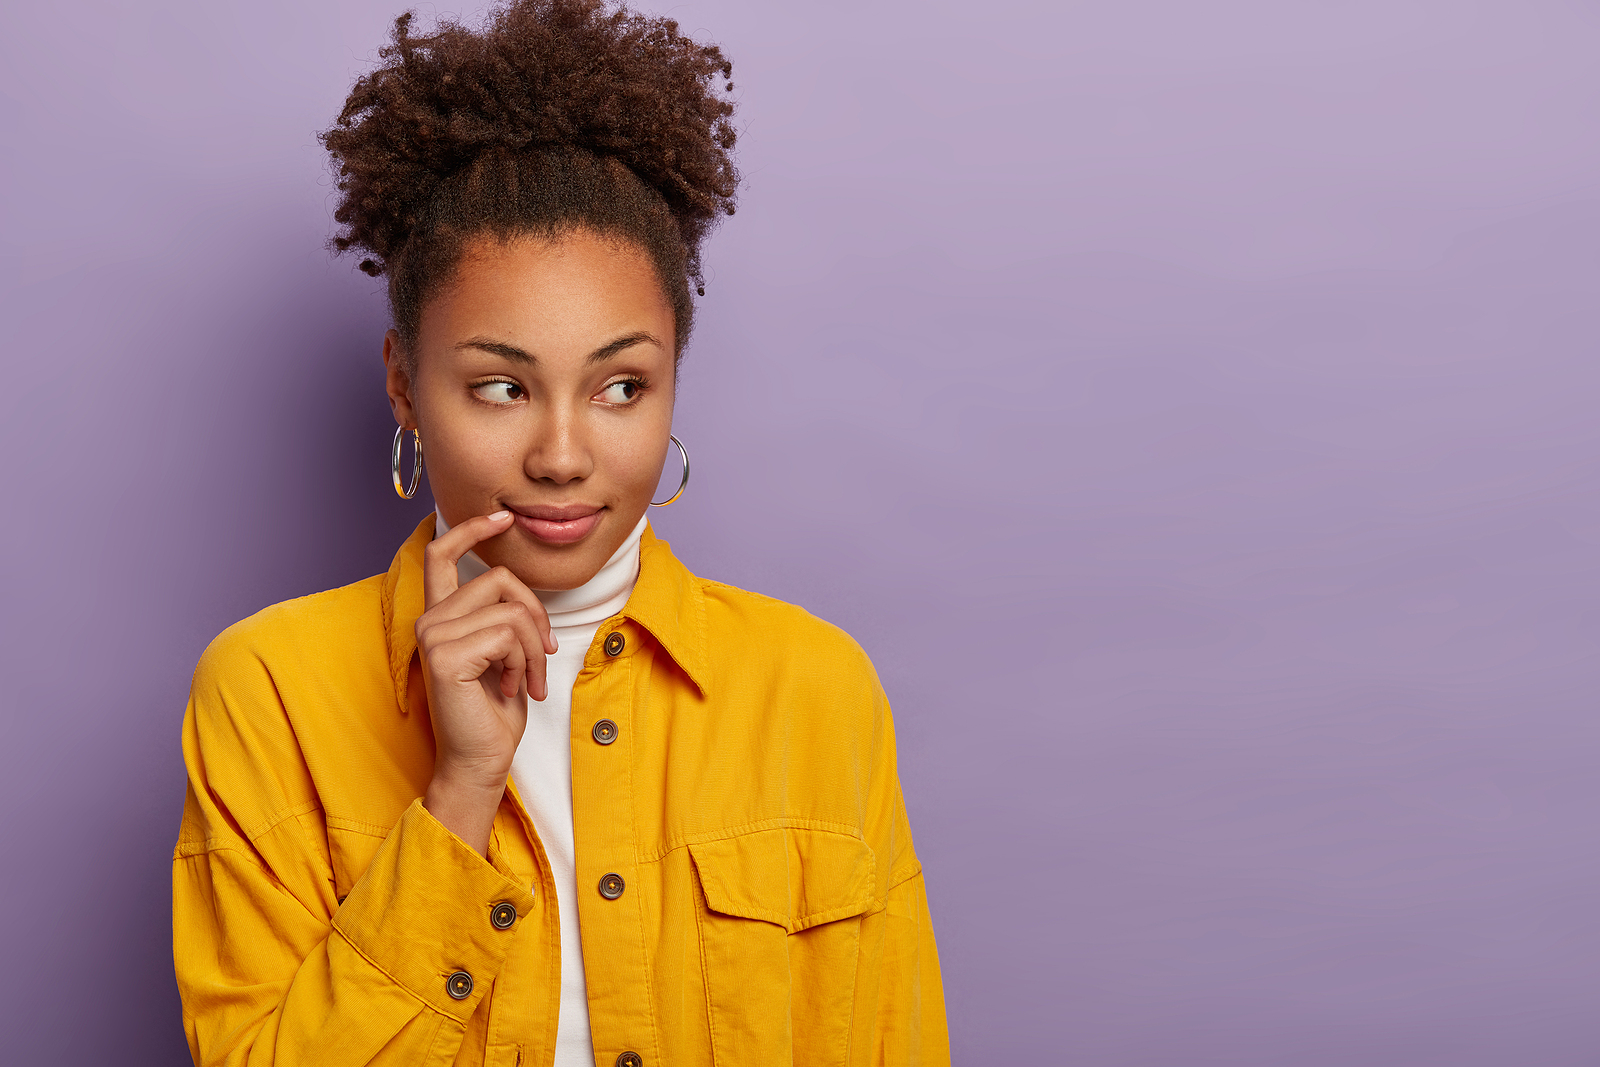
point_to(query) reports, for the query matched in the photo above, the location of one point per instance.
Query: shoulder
(769, 626)
(276, 685)
(805, 663)
(720, 627)
(302, 631)
(303, 653)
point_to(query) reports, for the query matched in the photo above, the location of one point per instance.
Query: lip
(558, 525)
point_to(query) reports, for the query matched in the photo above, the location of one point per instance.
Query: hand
(482, 647)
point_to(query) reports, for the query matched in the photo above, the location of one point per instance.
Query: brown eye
(499, 392)
(620, 392)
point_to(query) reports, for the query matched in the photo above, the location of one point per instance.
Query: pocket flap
(791, 876)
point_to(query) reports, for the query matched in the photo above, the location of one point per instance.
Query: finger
(514, 667)
(498, 585)
(538, 687)
(514, 614)
(468, 658)
(439, 559)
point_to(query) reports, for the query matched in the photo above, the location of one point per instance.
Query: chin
(558, 579)
(567, 567)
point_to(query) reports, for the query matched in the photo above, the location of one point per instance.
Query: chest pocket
(780, 925)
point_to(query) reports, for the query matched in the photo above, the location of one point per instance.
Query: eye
(499, 392)
(623, 392)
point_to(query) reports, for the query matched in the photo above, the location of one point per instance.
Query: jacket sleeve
(899, 990)
(271, 967)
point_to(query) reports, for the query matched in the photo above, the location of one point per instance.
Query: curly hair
(556, 115)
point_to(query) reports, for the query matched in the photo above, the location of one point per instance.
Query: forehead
(571, 293)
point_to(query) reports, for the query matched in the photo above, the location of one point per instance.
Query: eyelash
(475, 386)
(640, 385)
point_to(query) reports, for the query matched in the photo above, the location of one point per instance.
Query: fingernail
(499, 516)
(555, 646)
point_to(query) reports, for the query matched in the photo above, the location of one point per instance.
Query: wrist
(470, 777)
(467, 809)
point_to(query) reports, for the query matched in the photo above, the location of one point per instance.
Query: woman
(538, 794)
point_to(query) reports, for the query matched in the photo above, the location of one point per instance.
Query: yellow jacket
(733, 771)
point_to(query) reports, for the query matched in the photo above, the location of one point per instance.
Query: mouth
(562, 525)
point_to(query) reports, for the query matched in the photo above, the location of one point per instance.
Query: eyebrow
(599, 355)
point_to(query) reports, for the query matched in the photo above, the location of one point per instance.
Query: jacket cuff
(427, 911)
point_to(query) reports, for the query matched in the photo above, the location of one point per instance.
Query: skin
(542, 377)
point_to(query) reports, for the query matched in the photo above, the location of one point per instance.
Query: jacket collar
(667, 601)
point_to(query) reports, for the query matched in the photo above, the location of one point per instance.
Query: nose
(558, 450)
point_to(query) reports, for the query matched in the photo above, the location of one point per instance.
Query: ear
(398, 382)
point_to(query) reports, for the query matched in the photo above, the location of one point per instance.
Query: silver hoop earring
(416, 467)
(684, 452)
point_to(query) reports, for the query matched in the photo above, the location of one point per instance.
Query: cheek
(635, 470)
(633, 458)
(472, 458)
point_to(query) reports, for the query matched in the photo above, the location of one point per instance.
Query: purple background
(1189, 406)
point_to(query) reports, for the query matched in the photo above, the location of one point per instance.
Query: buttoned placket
(605, 822)
(517, 1008)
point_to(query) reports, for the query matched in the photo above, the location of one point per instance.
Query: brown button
(615, 643)
(611, 886)
(503, 915)
(605, 731)
(630, 1059)
(459, 985)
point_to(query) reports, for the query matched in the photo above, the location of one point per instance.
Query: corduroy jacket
(748, 891)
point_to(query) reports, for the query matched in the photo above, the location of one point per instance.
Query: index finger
(439, 559)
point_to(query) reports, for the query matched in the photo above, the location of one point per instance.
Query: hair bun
(577, 74)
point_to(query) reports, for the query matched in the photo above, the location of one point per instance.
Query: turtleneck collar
(599, 598)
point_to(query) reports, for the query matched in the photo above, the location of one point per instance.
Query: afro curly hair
(555, 115)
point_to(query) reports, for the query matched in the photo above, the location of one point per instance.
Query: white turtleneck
(542, 767)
